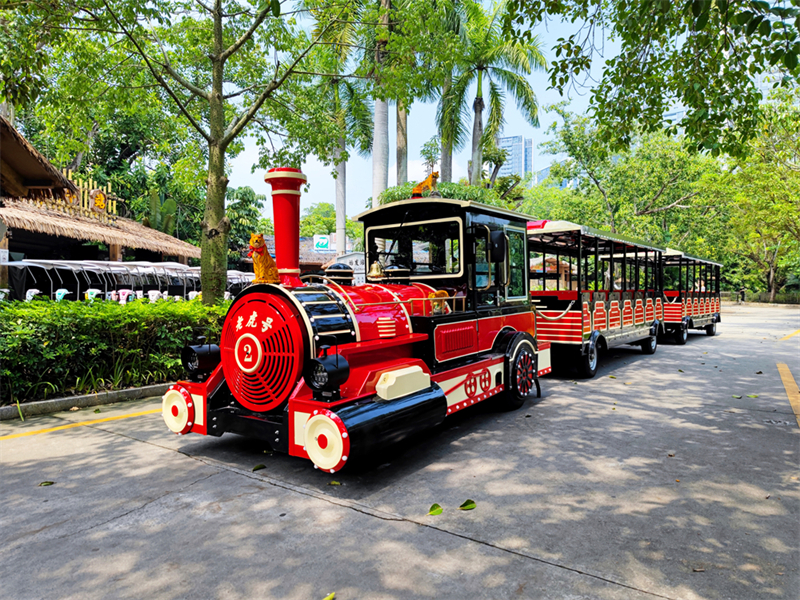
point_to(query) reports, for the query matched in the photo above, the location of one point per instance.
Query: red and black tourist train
(462, 305)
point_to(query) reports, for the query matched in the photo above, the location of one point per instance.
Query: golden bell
(375, 271)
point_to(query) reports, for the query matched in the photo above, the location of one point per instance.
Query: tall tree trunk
(215, 225)
(380, 143)
(380, 151)
(402, 144)
(477, 152)
(341, 199)
(215, 228)
(446, 162)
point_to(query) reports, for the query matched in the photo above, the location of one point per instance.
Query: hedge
(60, 348)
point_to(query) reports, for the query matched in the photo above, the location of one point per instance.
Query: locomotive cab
(473, 260)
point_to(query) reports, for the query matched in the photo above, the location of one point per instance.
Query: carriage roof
(565, 235)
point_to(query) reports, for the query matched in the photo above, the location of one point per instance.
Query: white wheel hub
(177, 410)
(326, 441)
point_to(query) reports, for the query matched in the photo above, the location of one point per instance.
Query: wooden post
(115, 252)
(4, 268)
(184, 260)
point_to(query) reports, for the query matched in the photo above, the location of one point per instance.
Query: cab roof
(467, 205)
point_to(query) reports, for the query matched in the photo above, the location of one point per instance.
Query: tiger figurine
(263, 264)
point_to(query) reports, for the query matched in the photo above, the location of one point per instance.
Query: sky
(421, 127)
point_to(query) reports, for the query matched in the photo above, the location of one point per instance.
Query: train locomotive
(334, 372)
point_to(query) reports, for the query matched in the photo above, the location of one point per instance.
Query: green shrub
(55, 348)
(453, 191)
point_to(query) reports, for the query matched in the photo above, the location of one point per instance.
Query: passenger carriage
(691, 295)
(604, 291)
(333, 372)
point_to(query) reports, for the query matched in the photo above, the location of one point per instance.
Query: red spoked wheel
(485, 379)
(525, 369)
(471, 386)
(521, 374)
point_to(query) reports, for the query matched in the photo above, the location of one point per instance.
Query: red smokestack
(286, 183)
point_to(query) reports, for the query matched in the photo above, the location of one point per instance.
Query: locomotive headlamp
(325, 374)
(199, 359)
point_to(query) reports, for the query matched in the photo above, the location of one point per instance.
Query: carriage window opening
(431, 248)
(484, 275)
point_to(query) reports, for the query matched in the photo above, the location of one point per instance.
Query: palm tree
(504, 63)
(347, 102)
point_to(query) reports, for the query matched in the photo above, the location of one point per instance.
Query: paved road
(655, 484)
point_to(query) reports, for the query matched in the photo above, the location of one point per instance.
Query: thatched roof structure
(40, 218)
(24, 172)
(33, 197)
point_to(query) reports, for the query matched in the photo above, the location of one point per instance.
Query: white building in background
(520, 155)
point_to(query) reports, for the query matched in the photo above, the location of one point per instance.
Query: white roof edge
(555, 227)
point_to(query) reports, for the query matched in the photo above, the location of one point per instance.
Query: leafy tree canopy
(709, 56)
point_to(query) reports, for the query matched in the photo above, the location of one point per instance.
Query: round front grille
(262, 350)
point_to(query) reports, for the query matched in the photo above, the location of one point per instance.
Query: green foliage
(431, 151)
(452, 191)
(53, 348)
(708, 55)
(320, 219)
(243, 207)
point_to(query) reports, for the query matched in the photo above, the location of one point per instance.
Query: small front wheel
(587, 365)
(680, 335)
(711, 329)
(650, 345)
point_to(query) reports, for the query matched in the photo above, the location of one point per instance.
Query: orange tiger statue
(429, 184)
(263, 264)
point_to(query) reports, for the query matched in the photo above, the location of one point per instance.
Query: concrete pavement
(654, 483)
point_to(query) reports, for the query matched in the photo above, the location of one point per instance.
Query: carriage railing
(358, 308)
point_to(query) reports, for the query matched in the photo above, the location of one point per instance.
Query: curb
(775, 304)
(44, 407)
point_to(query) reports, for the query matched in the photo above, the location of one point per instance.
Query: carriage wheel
(587, 362)
(711, 329)
(680, 335)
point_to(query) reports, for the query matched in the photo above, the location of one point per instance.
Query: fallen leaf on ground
(767, 498)
(677, 481)
(759, 372)
(467, 505)
(612, 376)
(613, 409)
(259, 467)
(435, 510)
(752, 395)
(670, 455)
(96, 410)
(628, 383)
(334, 483)
(330, 596)
(705, 352)
(699, 570)
(737, 397)
(46, 483)
(527, 416)
(74, 408)
(680, 370)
